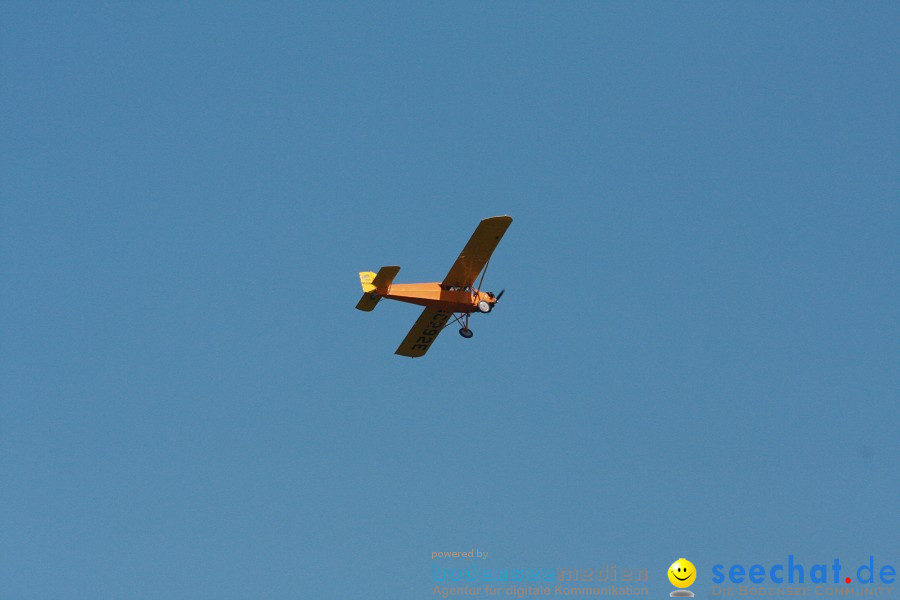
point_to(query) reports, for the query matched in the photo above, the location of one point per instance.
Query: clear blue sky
(698, 353)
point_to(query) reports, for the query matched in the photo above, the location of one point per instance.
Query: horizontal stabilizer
(385, 277)
(368, 301)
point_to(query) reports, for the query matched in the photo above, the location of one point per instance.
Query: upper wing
(423, 333)
(477, 252)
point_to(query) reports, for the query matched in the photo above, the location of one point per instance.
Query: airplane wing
(477, 252)
(423, 333)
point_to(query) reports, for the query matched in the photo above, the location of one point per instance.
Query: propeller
(499, 295)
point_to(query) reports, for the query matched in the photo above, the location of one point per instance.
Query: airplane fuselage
(436, 295)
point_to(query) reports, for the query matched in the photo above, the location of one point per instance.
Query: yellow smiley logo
(682, 573)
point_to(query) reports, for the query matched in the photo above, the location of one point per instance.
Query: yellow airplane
(454, 298)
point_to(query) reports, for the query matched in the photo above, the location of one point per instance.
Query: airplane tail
(366, 278)
(371, 283)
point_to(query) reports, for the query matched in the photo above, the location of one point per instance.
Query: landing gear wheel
(484, 306)
(466, 332)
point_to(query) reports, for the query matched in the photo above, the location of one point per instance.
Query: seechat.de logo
(794, 572)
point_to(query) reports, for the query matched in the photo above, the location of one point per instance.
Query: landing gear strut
(463, 320)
